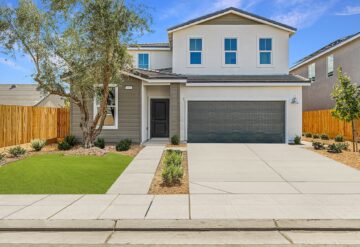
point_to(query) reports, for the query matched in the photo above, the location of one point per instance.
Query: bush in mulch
(64, 146)
(2, 157)
(124, 145)
(100, 143)
(318, 145)
(339, 138)
(297, 140)
(316, 136)
(17, 151)
(308, 135)
(37, 144)
(172, 172)
(175, 140)
(324, 137)
(334, 148)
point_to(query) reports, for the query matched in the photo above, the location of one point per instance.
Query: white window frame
(224, 51)
(329, 73)
(202, 52)
(137, 59)
(95, 105)
(311, 76)
(271, 52)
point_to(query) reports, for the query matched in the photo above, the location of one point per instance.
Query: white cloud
(11, 64)
(350, 10)
(300, 13)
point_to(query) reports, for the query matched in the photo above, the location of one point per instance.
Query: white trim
(148, 129)
(271, 65)
(276, 84)
(189, 65)
(166, 81)
(327, 65)
(324, 52)
(116, 107)
(237, 64)
(148, 49)
(236, 13)
(186, 120)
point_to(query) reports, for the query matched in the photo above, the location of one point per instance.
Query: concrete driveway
(266, 169)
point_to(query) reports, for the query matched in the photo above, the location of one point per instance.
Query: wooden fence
(322, 121)
(21, 124)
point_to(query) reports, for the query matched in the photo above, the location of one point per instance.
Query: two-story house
(222, 77)
(321, 67)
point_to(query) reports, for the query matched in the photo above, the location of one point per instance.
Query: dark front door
(159, 118)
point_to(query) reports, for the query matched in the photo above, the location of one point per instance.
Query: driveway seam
(206, 186)
(99, 217)
(148, 209)
(273, 169)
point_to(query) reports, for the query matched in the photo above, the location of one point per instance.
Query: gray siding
(129, 112)
(174, 109)
(318, 95)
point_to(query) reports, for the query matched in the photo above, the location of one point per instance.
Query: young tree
(347, 97)
(78, 47)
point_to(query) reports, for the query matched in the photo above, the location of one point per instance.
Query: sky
(318, 23)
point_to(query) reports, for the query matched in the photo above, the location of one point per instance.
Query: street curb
(180, 225)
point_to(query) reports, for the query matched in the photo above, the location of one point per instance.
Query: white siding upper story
(158, 59)
(213, 52)
(213, 37)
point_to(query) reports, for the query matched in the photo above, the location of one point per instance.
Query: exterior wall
(129, 115)
(174, 109)
(318, 96)
(22, 94)
(52, 101)
(293, 111)
(213, 37)
(158, 59)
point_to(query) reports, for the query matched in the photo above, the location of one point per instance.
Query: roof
(246, 79)
(156, 74)
(333, 45)
(235, 10)
(150, 46)
(164, 74)
(25, 95)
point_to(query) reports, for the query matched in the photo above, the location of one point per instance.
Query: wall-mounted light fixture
(294, 100)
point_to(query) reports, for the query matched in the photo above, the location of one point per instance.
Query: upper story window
(111, 120)
(265, 51)
(330, 65)
(311, 71)
(230, 48)
(195, 48)
(143, 61)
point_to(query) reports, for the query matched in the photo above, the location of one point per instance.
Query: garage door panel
(236, 121)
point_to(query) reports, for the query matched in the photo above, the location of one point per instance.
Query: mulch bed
(77, 150)
(347, 157)
(158, 188)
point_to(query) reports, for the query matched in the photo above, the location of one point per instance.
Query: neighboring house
(321, 67)
(222, 77)
(27, 95)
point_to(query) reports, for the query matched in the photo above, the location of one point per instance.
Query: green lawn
(60, 174)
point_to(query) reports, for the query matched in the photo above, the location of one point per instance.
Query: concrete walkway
(137, 177)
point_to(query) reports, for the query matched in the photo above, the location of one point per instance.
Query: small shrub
(124, 145)
(324, 137)
(17, 151)
(2, 157)
(316, 136)
(100, 143)
(64, 145)
(71, 140)
(37, 144)
(175, 140)
(297, 140)
(172, 174)
(339, 138)
(343, 146)
(334, 148)
(318, 145)
(308, 135)
(173, 158)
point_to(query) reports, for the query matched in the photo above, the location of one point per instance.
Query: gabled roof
(156, 74)
(329, 47)
(234, 11)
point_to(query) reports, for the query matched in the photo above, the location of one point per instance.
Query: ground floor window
(111, 120)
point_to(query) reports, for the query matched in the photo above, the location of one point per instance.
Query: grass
(60, 174)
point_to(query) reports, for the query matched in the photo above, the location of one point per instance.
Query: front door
(159, 118)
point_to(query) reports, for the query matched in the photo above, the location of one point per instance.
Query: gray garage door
(236, 121)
